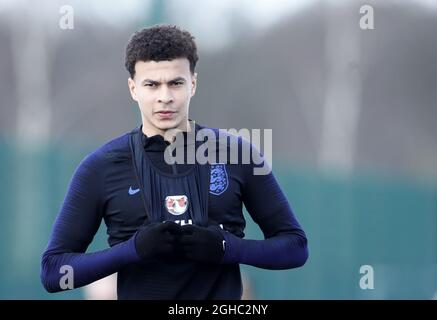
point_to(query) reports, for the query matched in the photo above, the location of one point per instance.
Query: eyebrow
(169, 82)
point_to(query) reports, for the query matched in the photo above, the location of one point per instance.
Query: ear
(193, 84)
(132, 88)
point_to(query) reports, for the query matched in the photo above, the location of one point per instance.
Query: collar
(157, 142)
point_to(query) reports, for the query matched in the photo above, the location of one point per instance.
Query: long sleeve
(285, 243)
(74, 229)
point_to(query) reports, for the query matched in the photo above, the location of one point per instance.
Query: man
(175, 230)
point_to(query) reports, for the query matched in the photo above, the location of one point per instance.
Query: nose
(165, 96)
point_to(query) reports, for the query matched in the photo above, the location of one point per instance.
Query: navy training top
(105, 186)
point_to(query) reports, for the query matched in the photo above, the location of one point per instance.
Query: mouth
(165, 114)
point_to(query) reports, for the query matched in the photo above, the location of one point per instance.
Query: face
(163, 91)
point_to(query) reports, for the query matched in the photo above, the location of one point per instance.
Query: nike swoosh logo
(133, 191)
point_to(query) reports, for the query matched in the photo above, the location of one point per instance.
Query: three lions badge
(219, 179)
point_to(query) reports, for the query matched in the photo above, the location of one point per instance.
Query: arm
(285, 243)
(74, 229)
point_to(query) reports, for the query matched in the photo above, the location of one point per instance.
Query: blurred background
(353, 113)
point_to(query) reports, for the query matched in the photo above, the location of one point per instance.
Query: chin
(167, 125)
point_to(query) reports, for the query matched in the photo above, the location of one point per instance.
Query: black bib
(176, 197)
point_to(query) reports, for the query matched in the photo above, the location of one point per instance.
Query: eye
(177, 83)
(148, 84)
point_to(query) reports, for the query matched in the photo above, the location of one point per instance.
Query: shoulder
(115, 150)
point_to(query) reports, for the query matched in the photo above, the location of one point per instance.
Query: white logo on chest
(176, 205)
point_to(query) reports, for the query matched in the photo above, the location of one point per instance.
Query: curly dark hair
(158, 43)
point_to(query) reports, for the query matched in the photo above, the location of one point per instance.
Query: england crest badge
(219, 179)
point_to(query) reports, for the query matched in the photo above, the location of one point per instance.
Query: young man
(175, 230)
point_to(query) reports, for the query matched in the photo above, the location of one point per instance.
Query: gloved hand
(157, 240)
(203, 244)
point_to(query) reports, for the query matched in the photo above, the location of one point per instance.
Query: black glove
(157, 240)
(202, 244)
